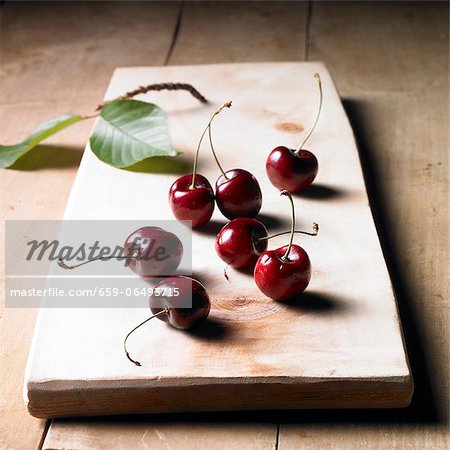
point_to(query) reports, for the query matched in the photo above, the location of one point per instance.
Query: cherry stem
(288, 195)
(319, 83)
(214, 153)
(91, 116)
(137, 363)
(194, 168)
(63, 265)
(314, 232)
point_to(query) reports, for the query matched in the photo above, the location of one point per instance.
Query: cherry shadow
(316, 303)
(202, 277)
(49, 157)
(271, 221)
(211, 228)
(244, 270)
(210, 329)
(319, 191)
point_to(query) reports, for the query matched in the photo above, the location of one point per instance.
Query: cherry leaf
(129, 131)
(9, 154)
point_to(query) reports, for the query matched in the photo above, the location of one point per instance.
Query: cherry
(168, 303)
(190, 291)
(285, 272)
(241, 241)
(154, 252)
(237, 191)
(294, 170)
(191, 197)
(149, 251)
(291, 170)
(281, 278)
(195, 204)
(238, 194)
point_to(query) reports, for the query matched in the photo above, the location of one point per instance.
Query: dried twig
(160, 87)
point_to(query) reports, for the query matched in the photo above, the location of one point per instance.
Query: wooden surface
(339, 345)
(389, 60)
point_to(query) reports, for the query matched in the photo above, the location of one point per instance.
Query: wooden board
(340, 347)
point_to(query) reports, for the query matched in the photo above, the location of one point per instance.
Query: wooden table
(390, 63)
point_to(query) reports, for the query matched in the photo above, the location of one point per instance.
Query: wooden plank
(218, 32)
(348, 353)
(89, 34)
(42, 49)
(360, 431)
(391, 47)
(391, 62)
(146, 433)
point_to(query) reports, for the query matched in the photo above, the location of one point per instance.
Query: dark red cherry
(294, 170)
(285, 272)
(290, 170)
(239, 242)
(238, 194)
(283, 278)
(173, 295)
(181, 301)
(157, 252)
(149, 251)
(193, 203)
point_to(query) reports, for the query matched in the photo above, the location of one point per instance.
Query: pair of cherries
(192, 198)
(140, 246)
(152, 252)
(168, 307)
(280, 274)
(143, 247)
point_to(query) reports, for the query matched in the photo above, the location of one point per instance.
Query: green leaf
(9, 154)
(129, 131)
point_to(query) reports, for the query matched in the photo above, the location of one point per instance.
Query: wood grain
(159, 434)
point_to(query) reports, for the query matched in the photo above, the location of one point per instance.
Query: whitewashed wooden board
(341, 346)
